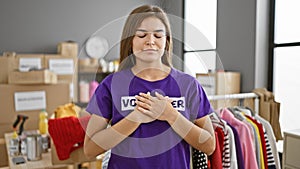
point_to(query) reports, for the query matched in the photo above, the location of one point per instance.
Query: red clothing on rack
(216, 158)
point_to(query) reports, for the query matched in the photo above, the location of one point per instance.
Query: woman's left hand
(158, 107)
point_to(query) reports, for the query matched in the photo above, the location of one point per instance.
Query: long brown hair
(133, 21)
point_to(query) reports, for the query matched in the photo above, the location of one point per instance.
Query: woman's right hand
(139, 117)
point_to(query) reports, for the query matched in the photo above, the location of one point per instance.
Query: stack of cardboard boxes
(32, 82)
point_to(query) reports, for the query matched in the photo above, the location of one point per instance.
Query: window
(286, 60)
(200, 36)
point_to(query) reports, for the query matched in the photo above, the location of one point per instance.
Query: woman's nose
(150, 43)
(150, 39)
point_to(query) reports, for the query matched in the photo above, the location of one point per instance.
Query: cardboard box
(9, 54)
(6, 128)
(64, 67)
(32, 77)
(208, 82)
(7, 65)
(28, 61)
(68, 49)
(19, 62)
(66, 70)
(228, 82)
(3, 154)
(76, 156)
(28, 100)
(221, 83)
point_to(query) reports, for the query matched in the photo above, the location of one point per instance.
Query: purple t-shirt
(153, 144)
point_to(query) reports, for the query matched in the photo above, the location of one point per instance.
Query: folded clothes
(67, 134)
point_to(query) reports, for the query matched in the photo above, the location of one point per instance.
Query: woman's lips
(149, 49)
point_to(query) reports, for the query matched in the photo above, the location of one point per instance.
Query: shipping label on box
(62, 66)
(33, 100)
(25, 64)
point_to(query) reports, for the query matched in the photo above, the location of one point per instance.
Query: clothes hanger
(246, 110)
(253, 113)
(217, 121)
(214, 117)
(237, 113)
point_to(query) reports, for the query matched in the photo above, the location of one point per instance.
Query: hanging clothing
(244, 134)
(259, 148)
(199, 160)
(270, 158)
(263, 141)
(220, 126)
(239, 153)
(272, 142)
(215, 160)
(232, 149)
(249, 139)
(226, 151)
(265, 155)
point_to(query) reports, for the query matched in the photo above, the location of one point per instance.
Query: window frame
(273, 45)
(185, 51)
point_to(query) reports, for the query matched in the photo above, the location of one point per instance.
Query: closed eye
(143, 34)
(158, 35)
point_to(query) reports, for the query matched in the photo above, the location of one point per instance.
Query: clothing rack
(271, 157)
(240, 96)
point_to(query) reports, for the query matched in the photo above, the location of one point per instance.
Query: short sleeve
(205, 106)
(198, 101)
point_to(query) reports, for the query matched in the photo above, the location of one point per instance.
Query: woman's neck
(151, 73)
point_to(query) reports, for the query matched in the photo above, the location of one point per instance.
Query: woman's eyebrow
(143, 30)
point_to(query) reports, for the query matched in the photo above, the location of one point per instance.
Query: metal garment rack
(240, 96)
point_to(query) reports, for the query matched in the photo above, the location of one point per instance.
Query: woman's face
(149, 42)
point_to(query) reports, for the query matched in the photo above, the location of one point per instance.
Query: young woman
(155, 112)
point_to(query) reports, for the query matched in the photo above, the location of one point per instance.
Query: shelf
(89, 74)
(90, 69)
